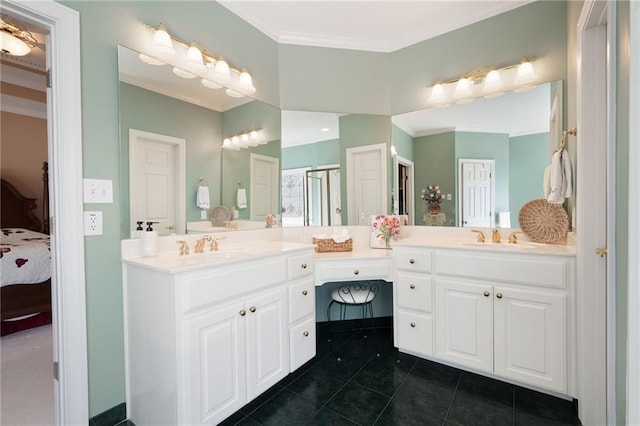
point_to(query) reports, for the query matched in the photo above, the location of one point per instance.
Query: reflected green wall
(526, 170)
(201, 128)
(311, 155)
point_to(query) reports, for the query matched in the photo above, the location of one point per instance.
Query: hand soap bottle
(138, 232)
(149, 241)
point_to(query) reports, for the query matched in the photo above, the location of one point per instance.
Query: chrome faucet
(512, 237)
(184, 248)
(214, 243)
(496, 237)
(480, 235)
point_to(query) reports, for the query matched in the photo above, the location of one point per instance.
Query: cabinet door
(267, 341)
(464, 323)
(530, 342)
(214, 367)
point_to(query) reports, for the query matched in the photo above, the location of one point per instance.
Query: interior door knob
(601, 251)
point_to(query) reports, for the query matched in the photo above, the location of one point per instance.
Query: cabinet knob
(412, 261)
(356, 272)
(304, 266)
(305, 334)
(252, 309)
(243, 313)
(305, 292)
(413, 324)
(486, 293)
(499, 295)
(412, 286)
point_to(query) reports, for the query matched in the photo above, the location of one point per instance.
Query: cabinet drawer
(359, 269)
(414, 291)
(302, 341)
(413, 260)
(300, 265)
(415, 332)
(201, 289)
(535, 270)
(302, 300)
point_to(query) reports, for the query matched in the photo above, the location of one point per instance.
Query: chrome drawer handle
(356, 272)
(304, 266)
(412, 286)
(252, 309)
(243, 313)
(305, 292)
(306, 334)
(412, 261)
(413, 324)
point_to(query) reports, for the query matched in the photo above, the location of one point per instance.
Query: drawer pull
(304, 266)
(486, 294)
(413, 324)
(356, 272)
(412, 261)
(499, 295)
(305, 292)
(252, 309)
(412, 286)
(306, 334)
(243, 313)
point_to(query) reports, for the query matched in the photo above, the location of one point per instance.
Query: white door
(366, 183)
(464, 323)
(267, 341)
(156, 165)
(530, 341)
(476, 201)
(263, 197)
(214, 373)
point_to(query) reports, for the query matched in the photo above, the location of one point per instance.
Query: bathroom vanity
(208, 332)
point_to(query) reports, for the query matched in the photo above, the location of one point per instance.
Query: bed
(25, 260)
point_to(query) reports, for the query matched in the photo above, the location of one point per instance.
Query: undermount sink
(525, 245)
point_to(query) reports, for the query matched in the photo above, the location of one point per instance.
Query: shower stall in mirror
(311, 197)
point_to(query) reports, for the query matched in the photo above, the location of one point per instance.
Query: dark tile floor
(359, 378)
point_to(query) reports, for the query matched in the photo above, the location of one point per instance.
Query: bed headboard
(17, 210)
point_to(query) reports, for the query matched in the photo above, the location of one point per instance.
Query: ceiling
(377, 26)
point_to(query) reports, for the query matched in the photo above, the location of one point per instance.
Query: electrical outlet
(203, 214)
(92, 223)
(449, 197)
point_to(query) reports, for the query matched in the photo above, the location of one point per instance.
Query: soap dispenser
(138, 232)
(149, 241)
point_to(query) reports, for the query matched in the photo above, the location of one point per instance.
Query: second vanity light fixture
(489, 82)
(244, 139)
(192, 61)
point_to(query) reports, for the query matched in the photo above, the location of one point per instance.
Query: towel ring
(202, 181)
(239, 184)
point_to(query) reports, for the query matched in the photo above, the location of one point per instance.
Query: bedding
(25, 257)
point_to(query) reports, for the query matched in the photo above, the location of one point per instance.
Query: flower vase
(433, 208)
(387, 241)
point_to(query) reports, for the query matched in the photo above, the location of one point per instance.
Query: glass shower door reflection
(323, 197)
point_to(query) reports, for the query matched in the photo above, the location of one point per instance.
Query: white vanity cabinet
(202, 343)
(501, 313)
(302, 310)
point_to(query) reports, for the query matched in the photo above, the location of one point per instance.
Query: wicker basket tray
(543, 222)
(325, 245)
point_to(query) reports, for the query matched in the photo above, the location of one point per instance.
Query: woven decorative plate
(543, 222)
(220, 215)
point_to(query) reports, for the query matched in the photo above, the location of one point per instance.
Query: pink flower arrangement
(386, 227)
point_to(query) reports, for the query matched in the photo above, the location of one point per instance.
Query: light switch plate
(92, 223)
(98, 191)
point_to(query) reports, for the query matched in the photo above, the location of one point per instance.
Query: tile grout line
(453, 397)
(395, 392)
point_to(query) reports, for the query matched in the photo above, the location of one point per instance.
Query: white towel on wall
(241, 198)
(202, 197)
(560, 180)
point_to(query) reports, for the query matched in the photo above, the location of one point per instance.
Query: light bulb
(182, 73)
(210, 84)
(194, 60)
(246, 83)
(149, 60)
(12, 45)
(162, 45)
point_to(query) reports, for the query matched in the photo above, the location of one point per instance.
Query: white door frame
(633, 308)
(64, 123)
(595, 109)
(492, 213)
(136, 137)
(275, 178)
(397, 161)
(352, 215)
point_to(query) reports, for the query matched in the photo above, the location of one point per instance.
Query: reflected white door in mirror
(157, 181)
(366, 182)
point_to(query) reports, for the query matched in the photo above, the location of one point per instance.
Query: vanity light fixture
(245, 139)
(489, 82)
(15, 41)
(192, 60)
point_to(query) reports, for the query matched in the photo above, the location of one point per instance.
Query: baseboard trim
(110, 417)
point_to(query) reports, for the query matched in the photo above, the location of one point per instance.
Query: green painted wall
(435, 164)
(488, 146)
(142, 109)
(402, 142)
(526, 170)
(311, 155)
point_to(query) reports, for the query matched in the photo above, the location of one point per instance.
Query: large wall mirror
(500, 145)
(174, 128)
